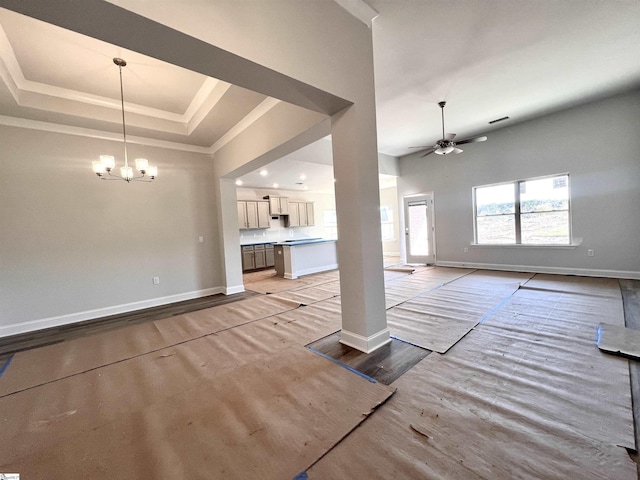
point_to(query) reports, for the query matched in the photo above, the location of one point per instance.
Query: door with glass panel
(419, 228)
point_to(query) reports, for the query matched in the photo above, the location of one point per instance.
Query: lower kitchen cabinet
(269, 256)
(248, 259)
(256, 257)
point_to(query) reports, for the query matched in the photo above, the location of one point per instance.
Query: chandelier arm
(139, 178)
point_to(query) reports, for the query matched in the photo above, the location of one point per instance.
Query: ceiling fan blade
(457, 150)
(449, 136)
(431, 150)
(421, 146)
(472, 140)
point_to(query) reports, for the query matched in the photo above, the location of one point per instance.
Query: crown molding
(98, 134)
(206, 104)
(31, 94)
(243, 124)
(38, 95)
(248, 120)
(360, 10)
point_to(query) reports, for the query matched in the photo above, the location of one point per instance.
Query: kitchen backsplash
(277, 231)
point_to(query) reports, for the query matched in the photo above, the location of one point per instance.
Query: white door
(419, 228)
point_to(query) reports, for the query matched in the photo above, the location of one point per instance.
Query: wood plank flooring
(16, 343)
(385, 365)
(631, 303)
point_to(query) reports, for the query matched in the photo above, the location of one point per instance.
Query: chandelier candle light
(107, 162)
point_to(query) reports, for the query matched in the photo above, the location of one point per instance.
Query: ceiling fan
(446, 145)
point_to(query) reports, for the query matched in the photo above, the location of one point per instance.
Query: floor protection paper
(439, 318)
(38, 366)
(619, 340)
(526, 394)
(269, 419)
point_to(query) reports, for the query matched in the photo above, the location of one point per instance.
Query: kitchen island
(294, 258)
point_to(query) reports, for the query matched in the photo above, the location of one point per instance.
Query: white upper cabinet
(278, 205)
(253, 214)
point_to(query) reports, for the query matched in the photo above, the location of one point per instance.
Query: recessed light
(275, 185)
(238, 182)
(264, 173)
(305, 188)
(302, 177)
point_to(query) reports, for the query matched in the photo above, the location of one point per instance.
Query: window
(525, 212)
(386, 222)
(330, 224)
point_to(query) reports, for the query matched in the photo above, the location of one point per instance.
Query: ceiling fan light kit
(446, 145)
(107, 163)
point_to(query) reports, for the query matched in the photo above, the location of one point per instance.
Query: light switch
(201, 239)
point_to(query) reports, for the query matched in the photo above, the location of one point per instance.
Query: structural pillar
(355, 164)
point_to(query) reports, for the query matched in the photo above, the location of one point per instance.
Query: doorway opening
(419, 228)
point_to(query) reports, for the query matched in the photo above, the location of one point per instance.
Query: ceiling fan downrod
(442, 104)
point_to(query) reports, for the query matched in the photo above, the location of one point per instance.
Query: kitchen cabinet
(311, 214)
(278, 205)
(269, 256)
(258, 256)
(293, 220)
(248, 261)
(301, 214)
(253, 214)
(255, 257)
(263, 215)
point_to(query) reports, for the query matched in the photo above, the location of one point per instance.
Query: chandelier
(107, 163)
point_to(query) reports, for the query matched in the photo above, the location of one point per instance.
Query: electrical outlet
(156, 280)
(590, 252)
(465, 249)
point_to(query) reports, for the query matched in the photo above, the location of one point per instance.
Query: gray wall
(597, 144)
(75, 247)
(389, 196)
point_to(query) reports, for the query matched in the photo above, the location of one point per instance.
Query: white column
(355, 164)
(230, 254)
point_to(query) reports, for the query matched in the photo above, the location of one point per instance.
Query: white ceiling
(494, 58)
(487, 58)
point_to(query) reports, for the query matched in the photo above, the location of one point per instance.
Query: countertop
(304, 241)
(290, 241)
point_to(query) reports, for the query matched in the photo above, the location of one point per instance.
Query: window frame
(518, 213)
(389, 210)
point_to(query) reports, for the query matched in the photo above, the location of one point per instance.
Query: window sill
(508, 245)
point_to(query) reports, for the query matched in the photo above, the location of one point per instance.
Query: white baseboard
(42, 323)
(365, 344)
(234, 289)
(324, 268)
(583, 272)
(309, 271)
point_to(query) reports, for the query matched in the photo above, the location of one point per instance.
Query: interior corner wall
(597, 144)
(388, 165)
(75, 247)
